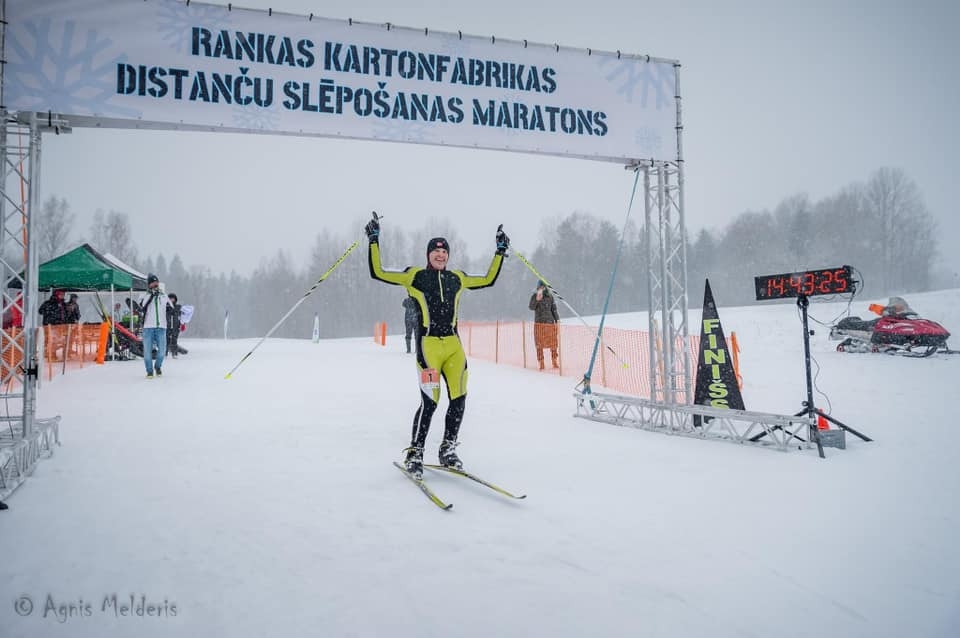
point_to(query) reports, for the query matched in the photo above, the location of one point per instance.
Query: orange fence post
(102, 342)
(735, 347)
(523, 341)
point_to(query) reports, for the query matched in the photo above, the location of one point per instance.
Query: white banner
(166, 64)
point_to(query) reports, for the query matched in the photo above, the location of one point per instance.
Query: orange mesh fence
(69, 346)
(65, 347)
(623, 357)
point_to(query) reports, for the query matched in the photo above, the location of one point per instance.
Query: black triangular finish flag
(716, 379)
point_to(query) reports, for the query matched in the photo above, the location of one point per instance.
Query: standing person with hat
(436, 290)
(53, 311)
(72, 308)
(411, 317)
(173, 325)
(545, 318)
(153, 308)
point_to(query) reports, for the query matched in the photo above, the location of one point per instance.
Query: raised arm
(472, 281)
(402, 278)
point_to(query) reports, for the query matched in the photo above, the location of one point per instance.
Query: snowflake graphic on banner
(68, 65)
(175, 25)
(631, 78)
(418, 132)
(254, 118)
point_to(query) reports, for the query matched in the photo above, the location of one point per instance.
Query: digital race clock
(827, 281)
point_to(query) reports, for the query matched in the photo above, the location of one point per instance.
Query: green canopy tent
(84, 269)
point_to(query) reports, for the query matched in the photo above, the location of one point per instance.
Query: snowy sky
(779, 98)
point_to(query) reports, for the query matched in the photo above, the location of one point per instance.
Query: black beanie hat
(438, 242)
(152, 278)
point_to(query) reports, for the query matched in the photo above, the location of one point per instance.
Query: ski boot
(413, 462)
(448, 455)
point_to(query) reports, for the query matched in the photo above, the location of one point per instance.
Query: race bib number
(430, 380)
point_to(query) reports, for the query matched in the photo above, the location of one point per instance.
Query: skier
(439, 351)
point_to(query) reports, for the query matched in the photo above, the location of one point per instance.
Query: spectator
(173, 325)
(13, 315)
(53, 311)
(545, 319)
(411, 317)
(153, 306)
(131, 319)
(72, 308)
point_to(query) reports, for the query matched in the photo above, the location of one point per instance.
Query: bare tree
(54, 225)
(901, 227)
(111, 233)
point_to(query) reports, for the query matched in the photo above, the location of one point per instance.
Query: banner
(173, 65)
(716, 379)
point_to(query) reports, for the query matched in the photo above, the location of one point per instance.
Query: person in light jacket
(152, 307)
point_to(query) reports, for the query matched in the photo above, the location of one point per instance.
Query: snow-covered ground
(266, 505)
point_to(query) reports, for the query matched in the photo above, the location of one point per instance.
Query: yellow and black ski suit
(437, 293)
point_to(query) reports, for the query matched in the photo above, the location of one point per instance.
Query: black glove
(373, 231)
(503, 242)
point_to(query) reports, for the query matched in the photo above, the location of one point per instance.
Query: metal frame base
(782, 432)
(19, 456)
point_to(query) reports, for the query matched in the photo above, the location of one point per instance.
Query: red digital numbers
(840, 278)
(809, 286)
(829, 281)
(826, 283)
(775, 287)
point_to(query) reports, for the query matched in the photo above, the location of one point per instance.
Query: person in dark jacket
(545, 319)
(411, 317)
(72, 308)
(437, 292)
(53, 311)
(173, 326)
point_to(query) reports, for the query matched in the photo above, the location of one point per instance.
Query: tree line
(881, 227)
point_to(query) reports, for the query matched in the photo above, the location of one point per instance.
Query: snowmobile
(898, 331)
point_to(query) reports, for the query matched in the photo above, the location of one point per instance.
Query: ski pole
(336, 264)
(556, 294)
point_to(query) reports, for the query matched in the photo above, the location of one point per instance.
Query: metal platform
(19, 455)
